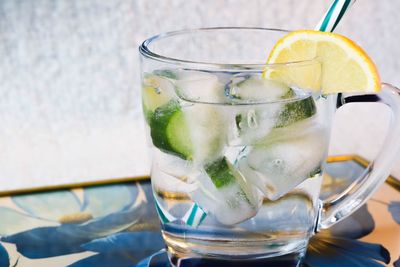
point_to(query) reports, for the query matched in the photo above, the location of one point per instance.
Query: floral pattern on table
(61, 223)
(394, 209)
(121, 249)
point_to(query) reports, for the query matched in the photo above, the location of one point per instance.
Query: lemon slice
(345, 66)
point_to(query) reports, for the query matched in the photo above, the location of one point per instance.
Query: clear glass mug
(237, 160)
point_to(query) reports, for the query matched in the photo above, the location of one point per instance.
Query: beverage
(239, 147)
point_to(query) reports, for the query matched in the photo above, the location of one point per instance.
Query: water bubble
(233, 91)
(158, 90)
(278, 164)
(252, 119)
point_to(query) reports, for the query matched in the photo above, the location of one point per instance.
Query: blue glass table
(116, 225)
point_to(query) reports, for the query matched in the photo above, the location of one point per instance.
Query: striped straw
(334, 14)
(193, 217)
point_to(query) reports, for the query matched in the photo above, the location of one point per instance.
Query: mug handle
(334, 210)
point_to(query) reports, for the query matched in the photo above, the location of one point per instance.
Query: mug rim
(145, 51)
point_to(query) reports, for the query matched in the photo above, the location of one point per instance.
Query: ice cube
(250, 124)
(205, 120)
(234, 153)
(199, 86)
(172, 165)
(254, 88)
(230, 200)
(165, 182)
(292, 131)
(208, 130)
(278, 167)
(293, 212)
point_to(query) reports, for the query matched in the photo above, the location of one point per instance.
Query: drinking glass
(237, 155)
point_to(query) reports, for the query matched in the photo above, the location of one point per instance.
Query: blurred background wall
(69, 78)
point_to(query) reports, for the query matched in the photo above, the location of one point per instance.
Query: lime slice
(201, 139)
(224, 175)
(169, 130)
(296, 111)
(220, 173)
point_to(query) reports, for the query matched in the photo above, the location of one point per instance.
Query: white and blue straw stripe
(195, 215)
(164, 215)
(334, 14)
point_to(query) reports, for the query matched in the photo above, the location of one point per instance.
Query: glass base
(293, 259)
(232, 254)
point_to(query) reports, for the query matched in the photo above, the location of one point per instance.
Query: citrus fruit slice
(157, 91)
(345, 66)
(169, 130)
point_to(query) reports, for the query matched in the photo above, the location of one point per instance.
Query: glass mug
(237, 159)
